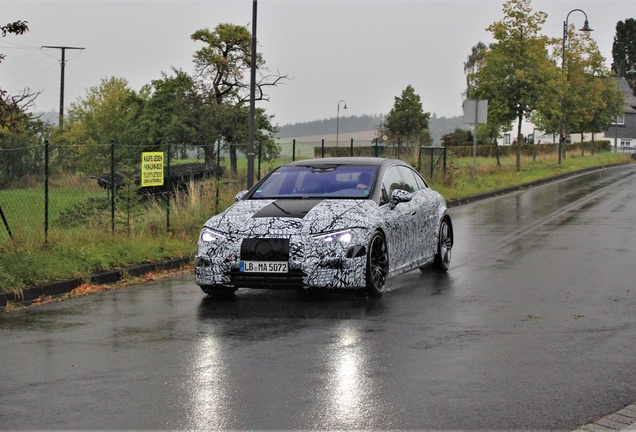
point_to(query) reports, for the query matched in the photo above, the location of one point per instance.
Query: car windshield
(338, 181)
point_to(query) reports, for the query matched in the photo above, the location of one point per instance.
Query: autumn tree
(220, 73)
(13, 108)
(407, 118)
(588, 99)
(517, 74)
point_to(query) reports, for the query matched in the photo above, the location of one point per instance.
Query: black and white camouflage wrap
(410, 229)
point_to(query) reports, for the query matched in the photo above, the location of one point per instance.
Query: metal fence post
(294, 149)
(323, 147)
(168, 188)
(375, 148)
(260, 146)
(217, 175)
(351, 147)
(419, 160)
(444, 160)
(46, 193)
(112, 186)
(432, 166)
(398, 148)
(6, 224)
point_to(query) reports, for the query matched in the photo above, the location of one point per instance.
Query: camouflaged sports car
(333, 223)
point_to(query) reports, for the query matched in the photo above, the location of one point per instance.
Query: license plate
(263, 267)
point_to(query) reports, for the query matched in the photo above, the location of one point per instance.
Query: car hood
(291, 216)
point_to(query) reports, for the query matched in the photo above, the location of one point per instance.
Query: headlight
(341, 236)
(208, 235)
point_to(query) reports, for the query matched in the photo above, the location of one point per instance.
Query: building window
(626, 143)
(620, 120)
(506, 139)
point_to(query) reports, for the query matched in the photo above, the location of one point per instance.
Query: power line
(19, 45)
(23, 69)
(31, 76)
(62, 63)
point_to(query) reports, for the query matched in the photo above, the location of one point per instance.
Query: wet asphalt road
(534, 327)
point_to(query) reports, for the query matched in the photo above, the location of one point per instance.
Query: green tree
(498, 121)
(107, 112)
(624, 47)
(517, 74)
(175, 111)
(472, 65)
(407, 118)
(220, 72)
(460, 137)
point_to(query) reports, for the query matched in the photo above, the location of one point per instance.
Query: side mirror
(239, 196)
(399, 196)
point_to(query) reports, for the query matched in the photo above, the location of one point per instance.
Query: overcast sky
(364, 52)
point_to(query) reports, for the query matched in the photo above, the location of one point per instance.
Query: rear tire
(377, 265)
(444, 246)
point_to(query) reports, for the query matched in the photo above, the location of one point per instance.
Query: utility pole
(62, 63)
(250, 145)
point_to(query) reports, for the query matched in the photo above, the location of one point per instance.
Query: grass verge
(458, 181)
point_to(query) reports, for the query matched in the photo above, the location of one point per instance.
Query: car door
(400, 222)
(426, 214)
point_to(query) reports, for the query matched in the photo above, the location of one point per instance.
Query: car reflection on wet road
(532, 328)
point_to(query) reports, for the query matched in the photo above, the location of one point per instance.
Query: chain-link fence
(124, 189)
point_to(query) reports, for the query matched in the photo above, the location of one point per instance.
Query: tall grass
(87, 245)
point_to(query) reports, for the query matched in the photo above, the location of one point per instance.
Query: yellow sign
(152, 169)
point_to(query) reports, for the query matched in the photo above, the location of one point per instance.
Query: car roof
(373, 161)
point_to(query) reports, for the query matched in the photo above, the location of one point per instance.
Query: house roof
(630, 100)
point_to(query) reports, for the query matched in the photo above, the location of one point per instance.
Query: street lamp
(585, 28)
(618, 78)
(338, 120)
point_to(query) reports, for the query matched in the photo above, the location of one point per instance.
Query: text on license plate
(263, 267)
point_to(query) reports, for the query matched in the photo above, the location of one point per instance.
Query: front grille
(265, 249)
(291, 280)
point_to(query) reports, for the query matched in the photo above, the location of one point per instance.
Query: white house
(529, 130)
(623, 131)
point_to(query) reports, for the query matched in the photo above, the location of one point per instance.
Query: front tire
(377, 265)
(444, 246)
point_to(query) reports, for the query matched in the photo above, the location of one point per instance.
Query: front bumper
(312, 263)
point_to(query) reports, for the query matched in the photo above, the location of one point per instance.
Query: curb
(621, 420)
(62, 287)
(467, 200)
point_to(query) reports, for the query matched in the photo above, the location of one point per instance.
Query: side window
(408, 175)
(420, 181)
(392, 181)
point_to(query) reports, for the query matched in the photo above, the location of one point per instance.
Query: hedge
(526, 149)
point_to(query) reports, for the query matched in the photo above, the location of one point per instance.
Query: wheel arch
(447, 217)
